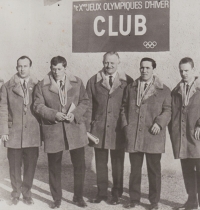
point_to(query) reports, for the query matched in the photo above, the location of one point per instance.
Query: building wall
(41, 32)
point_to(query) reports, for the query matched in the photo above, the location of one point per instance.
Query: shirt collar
(189, 83)
(63, 80)
(26, 80)
(147, 82)
(113, 75)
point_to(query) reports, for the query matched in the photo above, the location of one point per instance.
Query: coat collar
(120, 76)
(156, 84)
(194, 88)
(15, 83)
(49, 80)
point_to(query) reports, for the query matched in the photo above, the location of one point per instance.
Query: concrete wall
(41, 32)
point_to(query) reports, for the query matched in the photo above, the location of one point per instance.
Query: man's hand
(197, 133)
(4, 138)
(155, 129)
(60, 116)
(70, 117)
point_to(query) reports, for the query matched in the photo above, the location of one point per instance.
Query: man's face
(186, 72)
(23, 68)
(58, 71)
(146, 70)
(110, 64)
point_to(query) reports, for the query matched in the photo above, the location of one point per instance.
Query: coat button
(108, 126)
(182, 120)
(109, 112)
(140, 129)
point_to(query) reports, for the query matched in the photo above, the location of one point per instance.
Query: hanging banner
(131, 26)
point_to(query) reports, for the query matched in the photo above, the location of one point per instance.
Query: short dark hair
(150, 60)
(25, 57)
(187, 60)
(110, 53)
(58, 59)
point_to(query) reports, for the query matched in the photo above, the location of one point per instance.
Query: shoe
(55, 204)
(131, 205)
(115, 200)
(98, 199)
(28, 200)
(14, 200)
(79, 202)
(153, 206)
(188, 206)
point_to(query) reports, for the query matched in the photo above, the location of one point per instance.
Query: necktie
(187, 88)
(24, 86)
(61, 85)
(145, 86)
(110, 81)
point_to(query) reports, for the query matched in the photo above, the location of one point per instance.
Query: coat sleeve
(82, 104)
(164, 118)
(124, 108)
(90, 106)
(40, 108)
(3, 111)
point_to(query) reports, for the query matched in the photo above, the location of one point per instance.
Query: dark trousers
(28, 157)
(154, 176)
(117, 162)
(54, 164)
(191, 176)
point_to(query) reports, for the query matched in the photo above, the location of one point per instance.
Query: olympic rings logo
(150, 44)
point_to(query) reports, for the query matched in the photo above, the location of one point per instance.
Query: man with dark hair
(105, 91)
(146, 111)
(19, 129)
(185, 130)
(61, 101)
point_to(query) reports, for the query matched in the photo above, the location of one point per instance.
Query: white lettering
(140, 21)
(96, 20)
(111, 32)
(121, 25)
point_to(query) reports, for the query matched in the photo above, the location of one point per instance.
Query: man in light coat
(20, 130)
(105, 91)
(146, 111)
(185, 130)
(61, 129)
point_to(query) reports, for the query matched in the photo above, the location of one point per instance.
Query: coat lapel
(157, 84)
(69, 78)
(101, 77)
(117, 81)
(53, 87)
(17, 89)
(180, 87)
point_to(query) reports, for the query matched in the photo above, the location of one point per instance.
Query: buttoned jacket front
(47, 104)
(138, 120)
(104, 109)
(184, 121)
(22, 127)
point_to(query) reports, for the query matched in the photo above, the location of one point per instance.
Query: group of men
(125, 115)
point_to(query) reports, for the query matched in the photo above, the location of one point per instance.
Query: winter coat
(47, 104)
(184, 121)
(138, 120)
(22, 127)
(104, 109)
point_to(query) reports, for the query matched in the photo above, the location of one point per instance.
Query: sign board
(131, 26)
